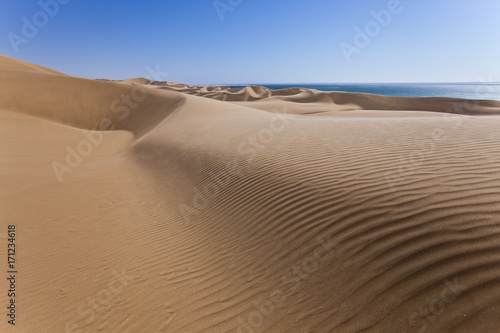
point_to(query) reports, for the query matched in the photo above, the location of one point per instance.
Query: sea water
(490, 91)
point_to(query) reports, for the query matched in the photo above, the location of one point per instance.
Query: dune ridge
(331, 100)
(248, 211)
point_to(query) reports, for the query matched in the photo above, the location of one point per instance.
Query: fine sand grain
(147, 206)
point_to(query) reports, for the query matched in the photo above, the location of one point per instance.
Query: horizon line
(324, 83)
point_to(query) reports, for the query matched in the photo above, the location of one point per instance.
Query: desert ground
(146, 206)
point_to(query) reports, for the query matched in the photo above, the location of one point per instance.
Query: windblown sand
(147, 206)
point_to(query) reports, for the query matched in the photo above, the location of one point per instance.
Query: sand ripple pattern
(205, 215)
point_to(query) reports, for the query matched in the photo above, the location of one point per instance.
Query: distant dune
(146, 206)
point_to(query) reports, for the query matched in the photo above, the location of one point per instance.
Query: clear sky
(259, 41)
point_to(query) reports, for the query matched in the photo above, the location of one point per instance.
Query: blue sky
(259, 41)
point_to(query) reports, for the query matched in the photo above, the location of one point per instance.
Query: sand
(146, 206)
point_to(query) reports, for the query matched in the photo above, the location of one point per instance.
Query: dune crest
(332, 101)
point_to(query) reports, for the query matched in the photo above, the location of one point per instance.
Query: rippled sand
(159, 207)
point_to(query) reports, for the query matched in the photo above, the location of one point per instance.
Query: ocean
(489, 91)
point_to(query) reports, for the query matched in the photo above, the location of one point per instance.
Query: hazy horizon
(361, 83)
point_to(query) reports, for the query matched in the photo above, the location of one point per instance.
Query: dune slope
(247, 213)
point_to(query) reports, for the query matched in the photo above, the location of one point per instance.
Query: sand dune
(333, 101)
(159, 207)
